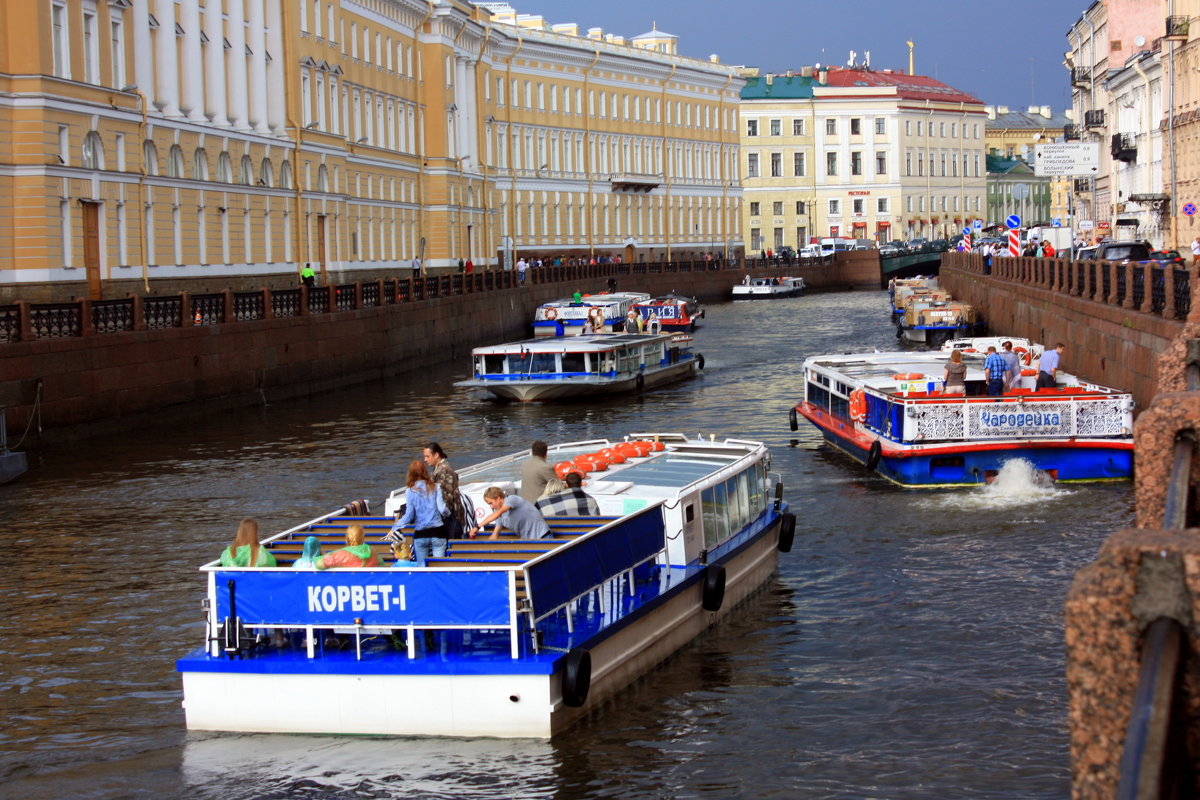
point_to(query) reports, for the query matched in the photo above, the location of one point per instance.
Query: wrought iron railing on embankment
(23, 322)
(1111, 283)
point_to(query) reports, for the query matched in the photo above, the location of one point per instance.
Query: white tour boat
(500, 638)
(568, 316)
(768, 288)
(587, 365)
(890, 411)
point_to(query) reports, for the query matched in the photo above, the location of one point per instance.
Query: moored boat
(567, 316)
(504, 637)
(671, 312)
(900, 289)
(930, 321)
(890, 411)
(587, 365)
(768, 288)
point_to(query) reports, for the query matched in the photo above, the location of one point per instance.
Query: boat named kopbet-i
(671, 312)
(568, 317)
(584, 366)
(890, 411)
(501, 638)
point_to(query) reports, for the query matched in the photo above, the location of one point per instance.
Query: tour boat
(500, 638)
(588, 365)
(1029, 351)
(900, 289)
(932, 322)
(670, 312)
(767, 288)
(889, 411)
(566, 317)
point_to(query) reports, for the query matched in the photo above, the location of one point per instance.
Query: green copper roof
(781, 87)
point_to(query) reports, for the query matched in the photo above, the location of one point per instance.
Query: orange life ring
(970, 350)
(858, 406)
(551, 313)
(1028, 372)
(1026, 358)
(908, 376)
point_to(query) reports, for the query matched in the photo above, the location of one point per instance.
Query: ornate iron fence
(162, 312)
(56, 320)
(208, 309)
(112, 316)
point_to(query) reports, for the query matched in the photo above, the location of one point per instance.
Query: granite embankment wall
(91, 382)
(1110, 339)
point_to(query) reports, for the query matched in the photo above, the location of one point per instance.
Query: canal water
(909, 647)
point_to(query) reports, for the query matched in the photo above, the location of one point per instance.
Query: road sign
(1085, 225)
(966, 242)
(1013, 222)
(1057, 222)
(966, 231)
(1067, 158)
(1020, 191)
(977, 225)
(1014, 243)
(1189, 208)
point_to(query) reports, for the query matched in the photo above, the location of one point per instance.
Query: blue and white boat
(505, 637)
(768, 288)
(585, 366)
(890, 412)
(931, 321)
(566, 317)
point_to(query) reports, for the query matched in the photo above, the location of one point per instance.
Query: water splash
(1019, 479)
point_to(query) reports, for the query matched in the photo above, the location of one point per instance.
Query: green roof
(781, 87)
(1002, 165)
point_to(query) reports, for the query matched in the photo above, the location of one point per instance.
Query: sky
(1004, 53)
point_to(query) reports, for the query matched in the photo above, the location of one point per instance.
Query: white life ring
(551, 313)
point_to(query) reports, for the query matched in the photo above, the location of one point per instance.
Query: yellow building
(1013, 134)
(165, 144)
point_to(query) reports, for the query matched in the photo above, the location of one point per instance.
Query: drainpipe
(666, 162)
(1145, 113)
(587, 152)
(512, 165)
(142, 186)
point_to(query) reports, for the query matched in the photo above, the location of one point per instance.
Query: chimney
(990, 111)
(1046, 112)
(1001, 109)
(770, 79)
(714, 58)
(791, 74)
(823, 76)
(806, 72)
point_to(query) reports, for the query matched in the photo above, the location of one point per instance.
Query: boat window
(491, 364)
(758, 488)
(839, 406)
(739, 501)
(527, 363)
(818, 396)
(573, 362)
(716, 526)
(689, 513)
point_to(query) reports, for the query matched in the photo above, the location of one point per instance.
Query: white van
(835, 245)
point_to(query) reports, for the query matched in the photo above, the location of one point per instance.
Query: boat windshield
(674, 470)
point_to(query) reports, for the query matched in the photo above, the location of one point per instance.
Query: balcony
(1124, 147)
(1081, 76)
(1177, 29)
(1094, 119)
(1071, 133)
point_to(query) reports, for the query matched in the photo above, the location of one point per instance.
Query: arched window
(224, 168)
(285, 174)
(200, 165)
(266, 175)
(93, 151)
(246, 173)
(150, 156)
(175, 162)
(322, 178)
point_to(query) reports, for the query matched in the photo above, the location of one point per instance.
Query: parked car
(1165, 257)
(810, 251)
(786, 252)
(938, 246)
(889, 249)
(900, 245)
(1116, 251)
(918, 245)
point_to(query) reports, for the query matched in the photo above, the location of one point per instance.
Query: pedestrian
(447, 481)
(416, 267)
(994, 367)
(1012, 361)
(522, 268)
(462, 266)
(1048, 367)
(536, 472)
(307, 275)
(1196, 251)
(470, 267)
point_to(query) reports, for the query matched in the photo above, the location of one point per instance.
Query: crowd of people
(437, 512)
(1002, 369)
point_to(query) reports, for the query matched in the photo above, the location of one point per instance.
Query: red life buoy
(858, 406)
(908, 376)
(1026, 358)
(551, 313)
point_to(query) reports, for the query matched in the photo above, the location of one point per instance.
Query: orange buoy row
(601, 459)
(908, 376)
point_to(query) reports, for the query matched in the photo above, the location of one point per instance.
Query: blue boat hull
(969, 467)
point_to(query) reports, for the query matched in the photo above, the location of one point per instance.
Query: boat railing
(1025, 414)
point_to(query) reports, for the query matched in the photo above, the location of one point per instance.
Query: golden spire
(911, 71)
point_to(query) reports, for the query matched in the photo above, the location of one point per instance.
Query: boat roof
(584, 343)
(600, 299)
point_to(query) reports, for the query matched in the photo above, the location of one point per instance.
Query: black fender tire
(787, 532)
(874, 454)
(640, 382)
(700, 360)
(899, 331)
(793, 422)
(714, 587)
(577, 677)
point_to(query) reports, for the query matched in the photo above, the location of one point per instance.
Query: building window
(855, 126)
(175, 162)
(835, 208)
(752, 165)
(118, 53)
(857, 204)
(91, 53)
(93, 151)
(919, 127)
(777, 208)
(756, 238)
(150, 157)
(775, 129)
(953, 130)
(831, 127)
(60, 35)
(266, 176)
(908, 164)
(856, 163)
(754, 207)
(778, 238)
(831, 163)
(800, 207)
(881, 205)
(776, 165)
(752, 127)
(881, 163)
(801, 235)
(224, 169)
(798, 166)
(908, 127)
(880, 122)
(246, 174)
(200, 165)
(797, 127)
